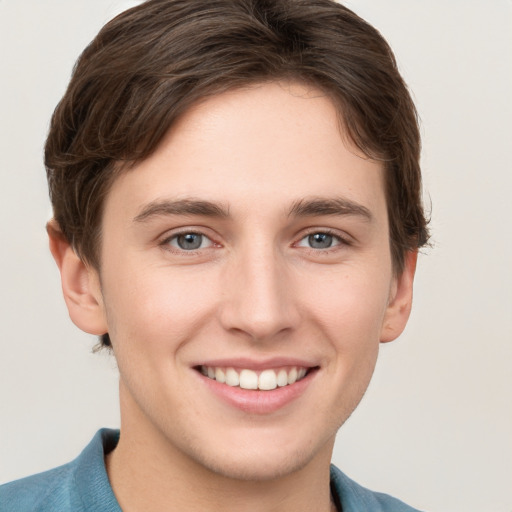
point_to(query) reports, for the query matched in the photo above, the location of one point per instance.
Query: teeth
(232, 377)
(282, 378)
(249, 379)
(220, 376)
(267, 380)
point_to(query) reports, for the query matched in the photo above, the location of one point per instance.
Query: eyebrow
(182, 207)
(337, 206)
(314, 207)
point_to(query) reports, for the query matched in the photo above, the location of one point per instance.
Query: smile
(265, 380)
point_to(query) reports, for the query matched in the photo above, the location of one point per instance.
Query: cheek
(156, 308)
(350, 311)
(351, 302)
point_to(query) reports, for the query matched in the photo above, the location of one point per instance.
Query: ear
(80, 284)
(400, 300)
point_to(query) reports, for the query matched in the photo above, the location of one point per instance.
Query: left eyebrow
(182, 207)
(316, 207)
(337, 206)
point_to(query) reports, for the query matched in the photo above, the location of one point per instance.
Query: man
(237, 214)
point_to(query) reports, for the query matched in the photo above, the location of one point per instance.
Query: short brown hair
(151, 63)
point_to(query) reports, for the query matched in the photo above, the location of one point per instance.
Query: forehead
(267, 144)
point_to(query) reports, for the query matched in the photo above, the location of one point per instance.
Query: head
(153, 62)
(136, 121)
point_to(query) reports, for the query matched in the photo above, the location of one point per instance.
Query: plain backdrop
(435, 427)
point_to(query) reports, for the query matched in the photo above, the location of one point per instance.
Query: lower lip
(256, 401)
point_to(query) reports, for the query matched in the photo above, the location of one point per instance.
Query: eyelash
(166, 242)
(340, 242)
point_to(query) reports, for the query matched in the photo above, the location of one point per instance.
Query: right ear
(80, 284)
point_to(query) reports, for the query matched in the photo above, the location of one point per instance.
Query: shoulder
(80, 485)
(354, 497)
(51, 490)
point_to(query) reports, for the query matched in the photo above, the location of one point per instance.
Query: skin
(255, 289)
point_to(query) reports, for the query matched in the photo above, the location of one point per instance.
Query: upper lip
(256, 365)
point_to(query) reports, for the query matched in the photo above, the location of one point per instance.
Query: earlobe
(400, 302)
(80, 284)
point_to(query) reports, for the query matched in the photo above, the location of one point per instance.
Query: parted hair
(151, 63)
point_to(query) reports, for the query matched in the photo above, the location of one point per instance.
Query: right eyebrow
(182, 207)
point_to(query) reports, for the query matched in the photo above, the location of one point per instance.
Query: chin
(257, 469)
(256, 462)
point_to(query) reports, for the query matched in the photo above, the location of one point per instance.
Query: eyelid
(204, 238)
(342, 238)
(164, 241)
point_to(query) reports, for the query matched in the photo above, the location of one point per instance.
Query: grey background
(436, 425)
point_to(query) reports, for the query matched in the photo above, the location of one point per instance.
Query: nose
(259, 300)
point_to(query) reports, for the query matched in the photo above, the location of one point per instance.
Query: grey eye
(189, 241)
(320, 240)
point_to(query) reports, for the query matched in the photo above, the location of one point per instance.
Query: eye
(190, 241)
(320, 240)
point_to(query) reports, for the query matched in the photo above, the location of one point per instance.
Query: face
(246, 282)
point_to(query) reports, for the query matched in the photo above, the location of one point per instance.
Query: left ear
(400, 300)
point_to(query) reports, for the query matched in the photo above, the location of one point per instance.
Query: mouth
(261, 380)
(257, 387)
